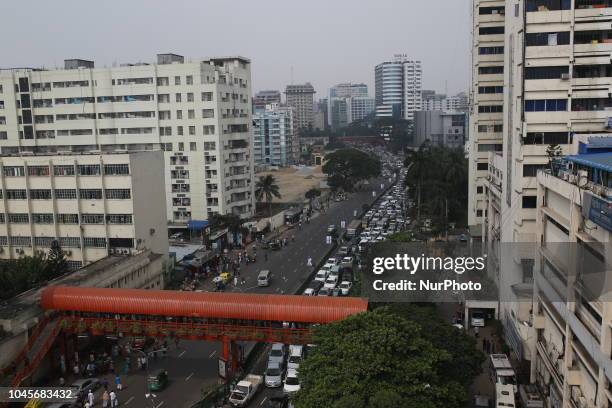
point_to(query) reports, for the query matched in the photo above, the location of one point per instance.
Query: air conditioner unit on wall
(565, 76)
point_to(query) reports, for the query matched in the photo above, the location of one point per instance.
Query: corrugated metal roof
(602, 141)
(602, 161)
(280, 308)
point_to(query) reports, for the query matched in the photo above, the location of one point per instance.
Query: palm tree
(266, 188)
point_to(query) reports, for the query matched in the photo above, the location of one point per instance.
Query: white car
(309, 292)
(292, 384)
(347, 260)
(321, 275)
(345, 287)
(331, 282)
(332, 261)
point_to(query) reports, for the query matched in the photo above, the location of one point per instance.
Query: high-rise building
(486, 106)
(197, 112)
(439, 128)
(301, 99)
(274, 140)
(348, 90)
(348, 103)
(92, 204)
(263, 98)
(398, 88)
(433, 101)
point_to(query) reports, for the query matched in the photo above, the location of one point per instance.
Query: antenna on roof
(291, 75)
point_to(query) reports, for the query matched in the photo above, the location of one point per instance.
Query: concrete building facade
(301, 99)
(198, 113)
(264, 98)
(94, 205)
(440, 128)
(398, 87)
(274, 140)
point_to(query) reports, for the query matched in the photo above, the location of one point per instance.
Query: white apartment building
(486, 101)
(431, 101)
(274, 140)
(198, 113)
(398, 88)
(301, 99)
(94, 205)
(572, 313)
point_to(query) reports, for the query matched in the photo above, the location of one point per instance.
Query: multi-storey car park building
(94, 205)
(486, 100)
(398, 88)
(198, 113)
(572, 313)
(274, 140)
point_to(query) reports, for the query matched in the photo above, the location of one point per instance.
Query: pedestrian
(118, 384)
(105, 399)
(114, 401)
(235, 280)
(90, 398)
(309, 262)
(476, 331)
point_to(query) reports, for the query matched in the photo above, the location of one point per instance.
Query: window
(45, 134)
(529, 201)
(537, 138)
(70, 242)
(116, 169)
(2, 120)
(209, 130)
(484, 147)
(490, 89)
(545, 72)
(190, 114)
(208, 146)
(190, 97)
(119, 219)
(3, 135)
(179, 130)
(117, 193)
(121, 242)
(21, 241)
(482, 166)
(42, 218)
(90, 194)
(181, 147)
(89, 169)
(208, 113)
(44, 242)
(177, 80)
(490, 50)
(163, 98)
(40, 194)
(63, 170)
(134, 81)
(490, 108)
(483, 128)
(498, 128)
(13, 171)
(165, 131)
(192, 130)
(546, 105)
(591, 104)
(541, 39)
(164, 115)
(193, 146)
(179, 114)
(547, 5)
(16, 195)
(178, 97)
(74, 265)
(189, 80)
(94, 242)
(479, 190)
(207, 96)
(67, 218)
(491, 70)
(162, 81)
(92, 218)
(491, 30)
(479, 213)
(65, 194)
(531, 170)
(21, 218)
(3, 241)
(38, 170)
(491, 10)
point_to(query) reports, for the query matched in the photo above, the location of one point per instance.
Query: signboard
(222, 368)
(598, 210)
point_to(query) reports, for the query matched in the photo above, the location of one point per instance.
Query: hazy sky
(325, 41)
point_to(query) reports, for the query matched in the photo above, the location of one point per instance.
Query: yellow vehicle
(223, 277)
(34, 403)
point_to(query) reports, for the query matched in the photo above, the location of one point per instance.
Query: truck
(501, 371)
(245, 390)
(353, 228)
(504, 396)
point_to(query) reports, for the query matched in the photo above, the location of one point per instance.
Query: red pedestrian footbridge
(212, 316)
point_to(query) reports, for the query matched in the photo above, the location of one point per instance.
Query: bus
(501, 371)
(504, 396)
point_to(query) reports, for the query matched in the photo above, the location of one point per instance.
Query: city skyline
(311, 57)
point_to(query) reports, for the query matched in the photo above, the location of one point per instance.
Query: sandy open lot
(294, 182)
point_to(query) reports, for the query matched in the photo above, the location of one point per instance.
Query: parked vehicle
(331, 282)
(504, 396)
(277, 354)
(321, 276)
(263, 279)
(292, 384)
(274, 375)
(530, 396)
(295, 356)
(501, 371)
(345, 287)
(245, 390)
(478, 319)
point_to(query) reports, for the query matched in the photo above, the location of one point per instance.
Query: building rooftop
(601, 161)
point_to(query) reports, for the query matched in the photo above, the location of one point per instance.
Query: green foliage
(266, 189)
(376, 359)
(27, 272)
(347, 167)
(438, 175)
(405, 236)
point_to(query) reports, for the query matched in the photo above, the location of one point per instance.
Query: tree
(312, 194)
(266, 189)
(232, 222)
(375, 359)
(347, 167)
(553, 151)
(57, 264)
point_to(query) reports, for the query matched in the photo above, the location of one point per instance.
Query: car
(177, 237)
(345, 287)
(81, 387)
(292, 384)
(273, 376)
(347, 260)
(324, 292)
(321, 275)
(309, 292)
(157, 380)
(316, 285)
(277, 401)
(331, 229)
(343, 251)
(296, 354)
(332, 261)
(277, 354)
(331, 282)
(463, 238)
(336, 292)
